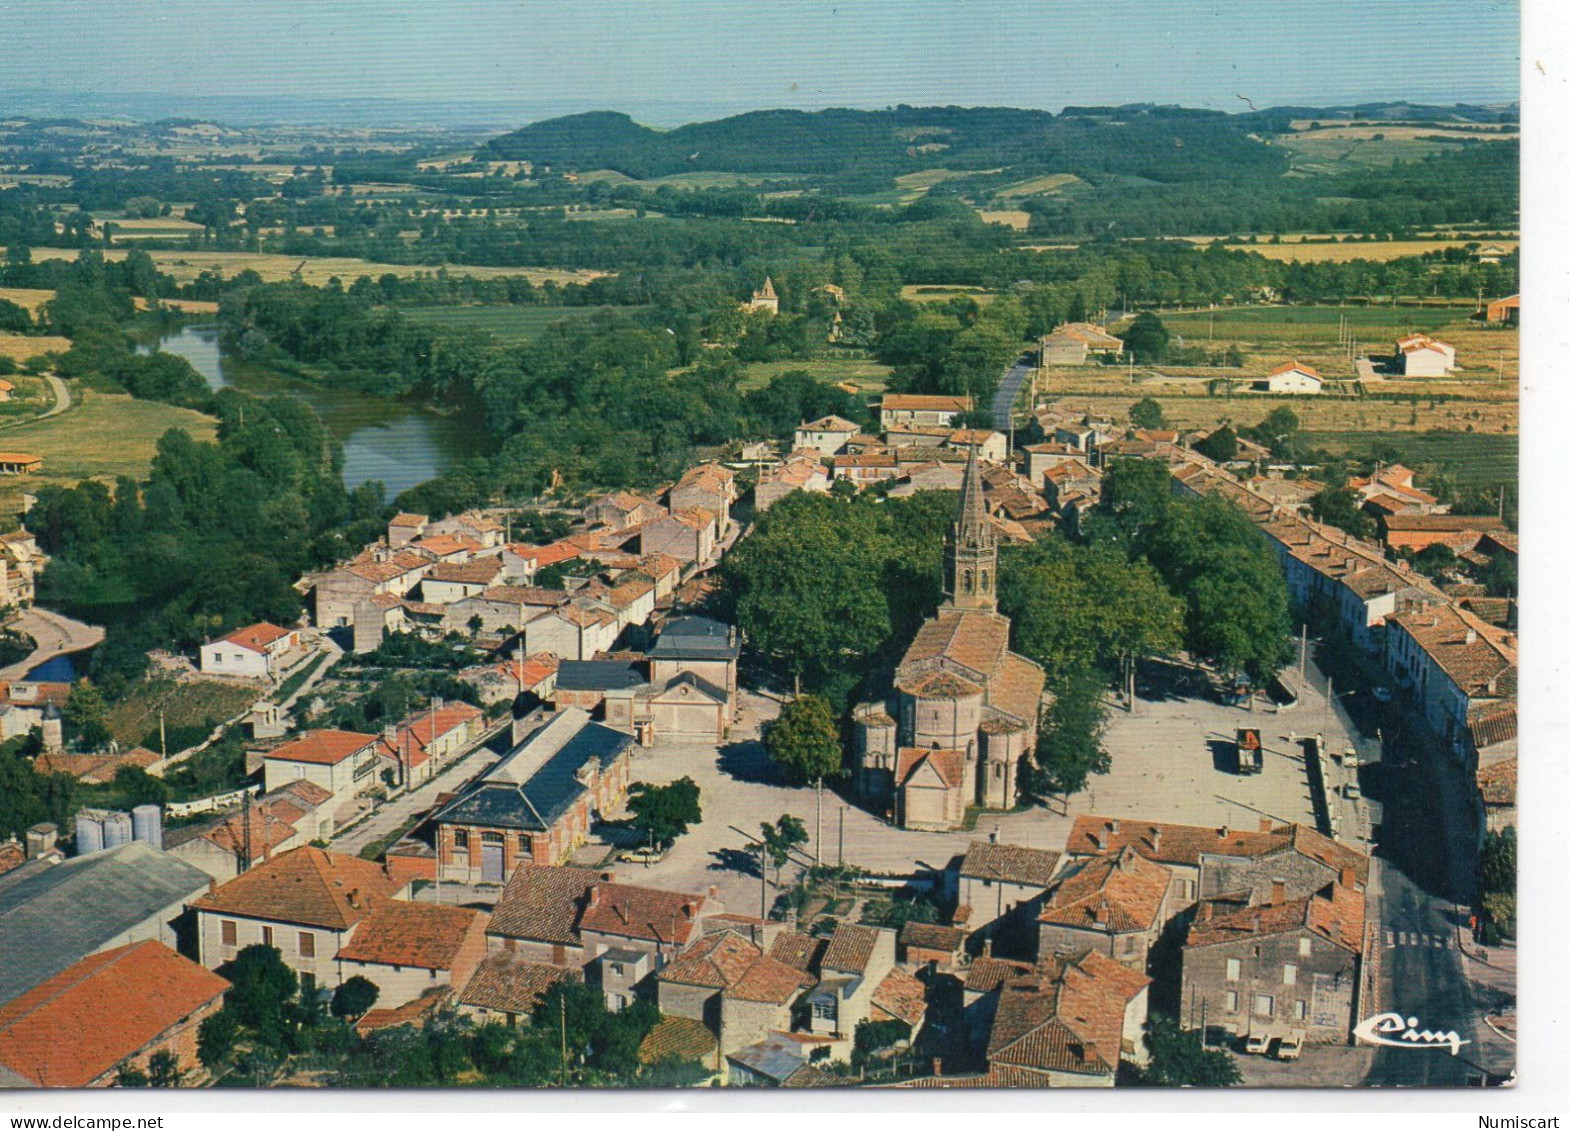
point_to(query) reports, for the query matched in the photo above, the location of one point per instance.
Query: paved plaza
(1172, 761)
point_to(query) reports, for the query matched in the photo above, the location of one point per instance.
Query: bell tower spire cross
(970, 556)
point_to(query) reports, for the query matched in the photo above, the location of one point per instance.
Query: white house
(342, 762)
(572, 632)
(1421, 356)
(255, 652)
(1293, 377)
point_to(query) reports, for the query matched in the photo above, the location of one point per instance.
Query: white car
(1290, 1047)
(1257, 1044)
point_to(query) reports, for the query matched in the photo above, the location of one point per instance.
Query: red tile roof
(541, 902)
(256, 637)
(322, 747)
(902, 996)
(912, 402)
(640, 913)
(428, 935)
(79, 1025)
(507, 984)
(1117, 893)
(850, 949)
(949, 765)
(1009, 863)
(306, 885)
(1065, 1015)
(1334, 913)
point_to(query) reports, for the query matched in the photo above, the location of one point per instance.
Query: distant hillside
(1159, 143)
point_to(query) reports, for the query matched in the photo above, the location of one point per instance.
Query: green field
(186, 706)
(1294, 325)
(869, 375)
(1475, 460)
(509, 324)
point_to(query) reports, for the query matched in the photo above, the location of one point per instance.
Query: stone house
(574, 631)
(408, 949)
(1115, 905)
(689, 535)
(344, 763)
(259, 651)
(1277, 966)
(994, 881)
(851, 969)
(306, 903)
(732, 986)
(910, 408)
(826, 437)
(707, 487)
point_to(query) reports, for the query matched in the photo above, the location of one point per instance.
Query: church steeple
(970, 556)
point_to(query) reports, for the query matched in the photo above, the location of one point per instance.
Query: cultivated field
(867, 376)
(28, 298)
(19, 347)
(1037, 186)
(507, 323)
(1017, 220)
(1298, 250)
(134, 720)
(938, 293)
(103, 435)
(187, 265)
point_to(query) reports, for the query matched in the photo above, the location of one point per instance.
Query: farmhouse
(1291, 378)
(410, 949)
(342, 762)
(827, 436)
(1073, 342)
(910, 408)
(117, 1008)
(256, 652)
(1418, 355)
(1504, 311)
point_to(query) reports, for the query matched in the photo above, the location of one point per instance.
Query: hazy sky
(629, 55)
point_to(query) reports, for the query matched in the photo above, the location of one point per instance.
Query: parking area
(1172, 760)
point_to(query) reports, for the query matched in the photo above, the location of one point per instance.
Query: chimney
(993, 837)
(713, 891)
(1348, 877)
(354, 898)
(1470, 636)
(1225, 831)
(1265, 825)
(41, 839)
(986, 947)
(1277, 891)
(1114, 826)
(608, 877)
(593, 896)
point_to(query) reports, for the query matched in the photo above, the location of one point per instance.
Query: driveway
(1008, 393)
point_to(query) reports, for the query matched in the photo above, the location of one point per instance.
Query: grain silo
(89, 831)
(147, 824)
(117, 829)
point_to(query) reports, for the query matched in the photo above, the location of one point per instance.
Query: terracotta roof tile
(542, 902)
(640, 913)
(677, 1038)
(1117, 893)
(1009, 863)
(949, 765)
(932, 936)
(306, 885)
(902, 996)
(505, 983)
(850, 949)
(1334, 913)
(256, 637)
(427, 935)
(70, 1030)
(322, 747)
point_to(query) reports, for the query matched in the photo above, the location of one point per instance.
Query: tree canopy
(804, 740)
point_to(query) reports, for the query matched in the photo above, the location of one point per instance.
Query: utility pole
(562, 1001)
(841, 834)
(163, 736)
(817, 841)
(1302, 669)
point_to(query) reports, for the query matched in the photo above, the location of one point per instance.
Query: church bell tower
(970, 556)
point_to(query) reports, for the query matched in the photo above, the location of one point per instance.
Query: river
(399, 443)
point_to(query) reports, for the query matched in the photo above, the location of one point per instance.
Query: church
(964, 709)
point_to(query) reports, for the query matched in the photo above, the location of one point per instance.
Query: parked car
(1257, 1043)
(1290, 1047)
(643, 856)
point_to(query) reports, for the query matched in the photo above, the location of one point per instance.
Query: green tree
(804, 740)
(163, 1070)
(85, 716)
(1178, 1059)
(1220, 445)
(663, 812)
(1216, 560)
(1147, 339)
(779, 840)
(137, 787)
(1342, 507)
(1136, 499)
(1498, 862)
(261, 987)
(1076, 607)
(355, 997)
(216, 1038)
(1069, 748)
(1147, 413)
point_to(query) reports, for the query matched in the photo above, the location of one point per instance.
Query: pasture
(1038, 186)
(508, 324)
(868, 376)
(101, 436)
(185, 266)
(19, 347)
(1300, 250)
(1474, 459)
